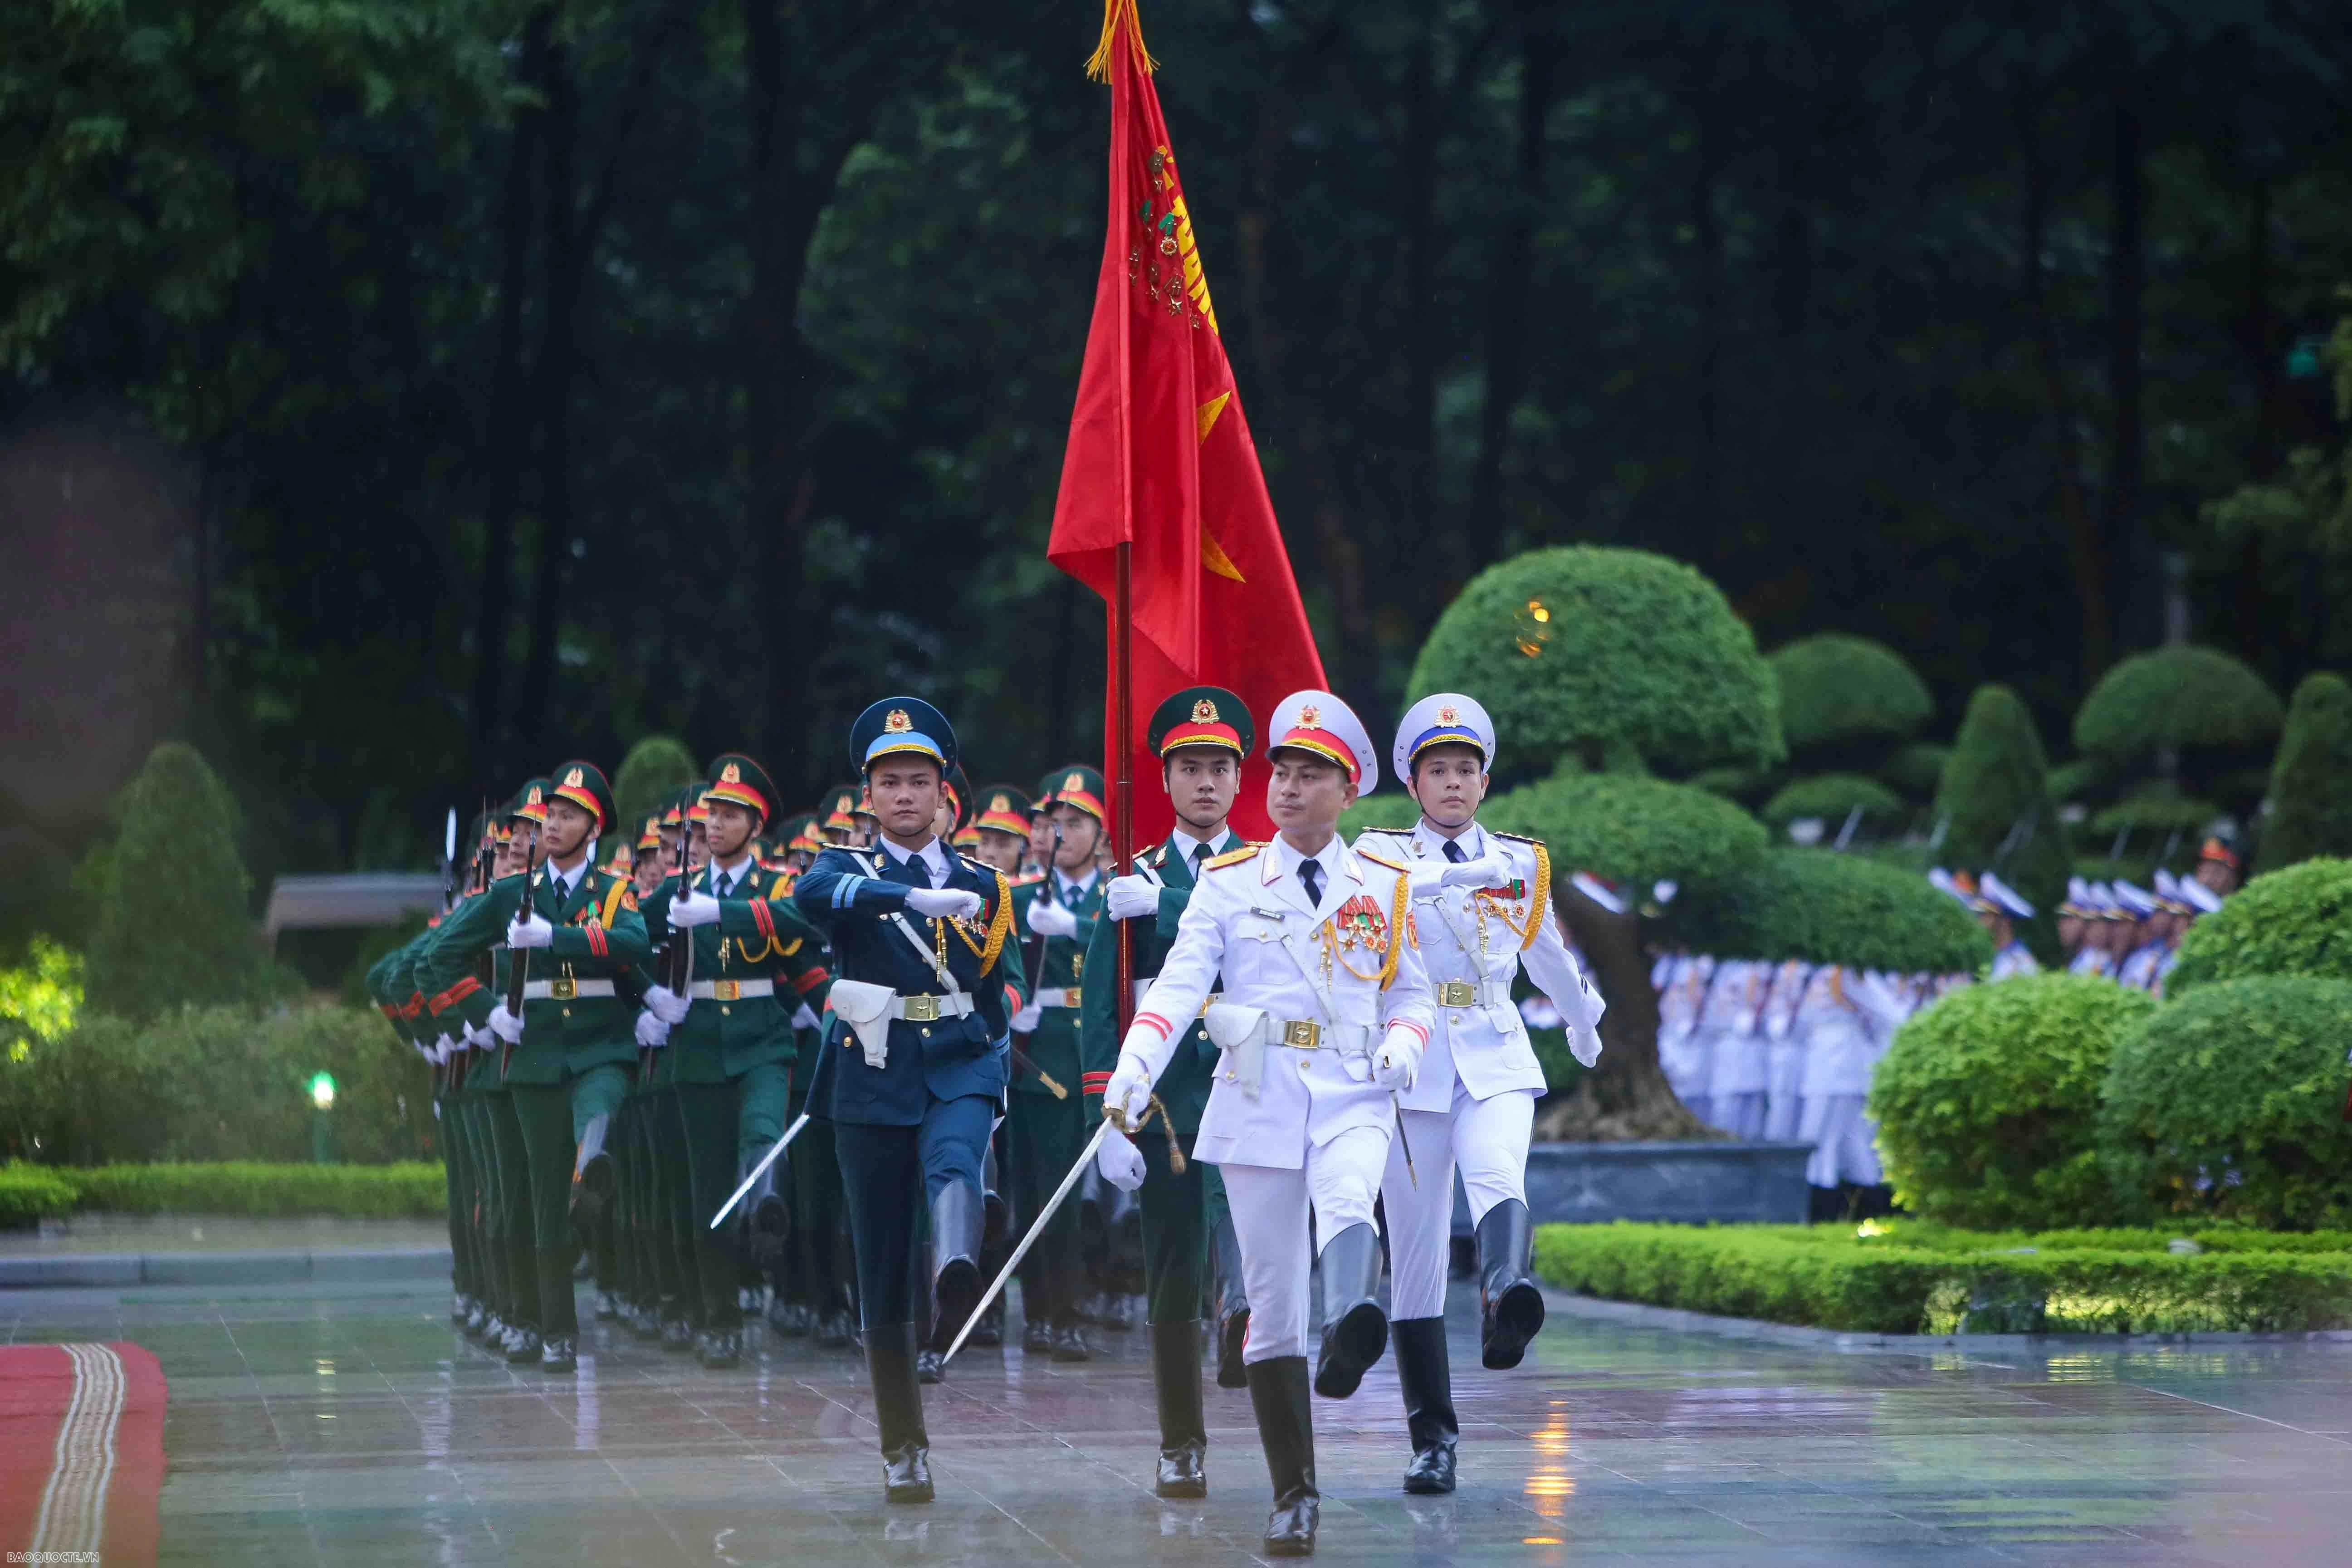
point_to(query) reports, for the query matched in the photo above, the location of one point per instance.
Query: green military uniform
(635, 1292)
(1046, 1122)
(729, 1059)
(391, 986)
(566, 1074)
(1182, 1210)
(669, 1196)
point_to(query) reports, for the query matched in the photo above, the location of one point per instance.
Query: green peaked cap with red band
(583, 784)
(738, 780)
(1081, 786)
(1200, 716)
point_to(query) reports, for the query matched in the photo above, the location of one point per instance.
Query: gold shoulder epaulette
(1514, 837)
(1230, 857)
(1027, 880)
(1377, 859)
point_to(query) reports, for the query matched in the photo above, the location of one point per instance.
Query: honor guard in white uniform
(1784, 1051)
(2000, 907)
(1479, 906)
(2102, 913)
(1729, 1021)
(1324, 1015)
(1682, 1054)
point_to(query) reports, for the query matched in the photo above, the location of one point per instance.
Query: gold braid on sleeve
(998, 925)
(1538, 895)
(1400, 926)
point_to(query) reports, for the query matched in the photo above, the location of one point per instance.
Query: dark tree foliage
(2310, 780)
(1837, 688)
(656, 767)
(1827, 907)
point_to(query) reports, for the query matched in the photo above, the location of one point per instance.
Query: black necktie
(1200, 853)
(1310, 877)
(1453, 851)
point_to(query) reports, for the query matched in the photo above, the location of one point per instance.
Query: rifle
(445, 1074)
(477, 881)
(1036, 971)
(677, 969)
(518, 958)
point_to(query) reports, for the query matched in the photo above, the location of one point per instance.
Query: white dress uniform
(1322, 994)
(1682, 1056)
(1736, 1073)
(1784, 1051)
(1837, 1015)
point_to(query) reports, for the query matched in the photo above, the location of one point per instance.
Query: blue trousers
(889, 1177)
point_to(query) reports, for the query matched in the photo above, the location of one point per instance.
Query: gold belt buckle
(1303, 1033)
(922, 1009)
(564, 989)
(1072, 998)
(1456, 994)
(726, 990)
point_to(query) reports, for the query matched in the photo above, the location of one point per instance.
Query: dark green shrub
(1732, 783)
(2175, 697)
(1827, 1277)
(173, 927)
(1629, 828)
(30, 1194)
(1996, 811)
(1827, 907)
(407, 1189)
(1831, 796)
(2311, 778)
(1834, 687)
(1610, 655)
(656, 767)
(216, 1083)
(1987, 1101)
(1918, 769)
(2228, 1103)
(2295, 921)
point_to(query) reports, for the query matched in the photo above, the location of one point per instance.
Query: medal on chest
(1357, 930)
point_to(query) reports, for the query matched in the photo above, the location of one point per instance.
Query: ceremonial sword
(1094, 1144)
(761, 1168)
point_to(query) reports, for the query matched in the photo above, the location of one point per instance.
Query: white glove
(505, 1025)
(477, 1037)
(1048, 918)
(1398, 1060)
(1130, 1089)
(1120, 1162)
(1025, 1021)
(1131, 898)
(694, 910)
(444, 1048)
(529, 930)
(955, 903)
(665, 1004)
(651, 1029)
(1492, 870)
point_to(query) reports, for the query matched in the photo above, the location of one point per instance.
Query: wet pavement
(354, 1426)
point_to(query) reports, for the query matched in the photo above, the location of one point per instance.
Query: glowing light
(322, 1091)
(1869, 1228)
(1534, 628)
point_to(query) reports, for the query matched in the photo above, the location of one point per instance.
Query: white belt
(1472, 992)
(1057, 996)
(729, 990)
(565, 990)
(1245, 1035)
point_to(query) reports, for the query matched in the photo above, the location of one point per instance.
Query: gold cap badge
(897, 723)
(1310, 715)
(999, 803)
(730, 773)
(1448, 715)
(572, 780)
(534, 799)
(1204, 711)
(1075, 780)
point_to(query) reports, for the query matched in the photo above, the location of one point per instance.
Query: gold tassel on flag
(1120, 19)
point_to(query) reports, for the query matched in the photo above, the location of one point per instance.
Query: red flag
(1160, 458)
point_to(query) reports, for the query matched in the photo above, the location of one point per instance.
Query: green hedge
(411, 1188)
(1987, 1101)
(1830, 1277)
(216, 1083)
(30, 1194)
(2295, 921)
(2229, 1101)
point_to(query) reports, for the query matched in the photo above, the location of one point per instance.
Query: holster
(866, 1008)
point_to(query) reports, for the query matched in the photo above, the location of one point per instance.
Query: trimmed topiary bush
(1996, 809)
(2229, 1103)
(2311, 778)
(2295, 921)
(655, 768)
(1827, 907)
(2175, 697)
(2156, 810)
(1834, 686)
(173, 927)
(1831, 796)
(1608, 655)
(1987, 1101)
(1629, 828)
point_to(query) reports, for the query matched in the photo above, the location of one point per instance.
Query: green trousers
(1175, 1229)
(458, 1184)
(550, 1117)
(726, 1125)
(680, 1280)
(1047, 1136)
(511, 1212)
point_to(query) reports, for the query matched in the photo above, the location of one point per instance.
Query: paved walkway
(353, 1427)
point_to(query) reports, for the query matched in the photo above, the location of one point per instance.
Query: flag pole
(1117, 38)
(1123, 798)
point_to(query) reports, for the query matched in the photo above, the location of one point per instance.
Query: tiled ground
(354, 1428)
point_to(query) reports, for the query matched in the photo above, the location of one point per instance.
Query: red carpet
(82, 1450)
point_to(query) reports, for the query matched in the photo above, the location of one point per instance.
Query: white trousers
(1844, 1141)
(1784, 1092)
(1741, 1114)
(1487, 1139)
(1337, 1184)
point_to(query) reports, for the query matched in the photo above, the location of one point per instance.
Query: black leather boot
(1428, 1384)
(1286, 1426)
(1355, 1329)
(767, 1217)
(1510, 1307)
(1183, 1432)
(592, 1179)
(898, 1410)
(956, 1284)
(1233, 1304)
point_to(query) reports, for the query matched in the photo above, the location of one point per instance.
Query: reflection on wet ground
(354, 1427)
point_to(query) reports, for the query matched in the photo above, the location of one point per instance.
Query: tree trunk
(2127, 278)
(506, 431)
(1507, 274)
(1626, 1095)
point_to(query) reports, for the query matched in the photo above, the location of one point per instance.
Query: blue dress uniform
(911, 1074)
